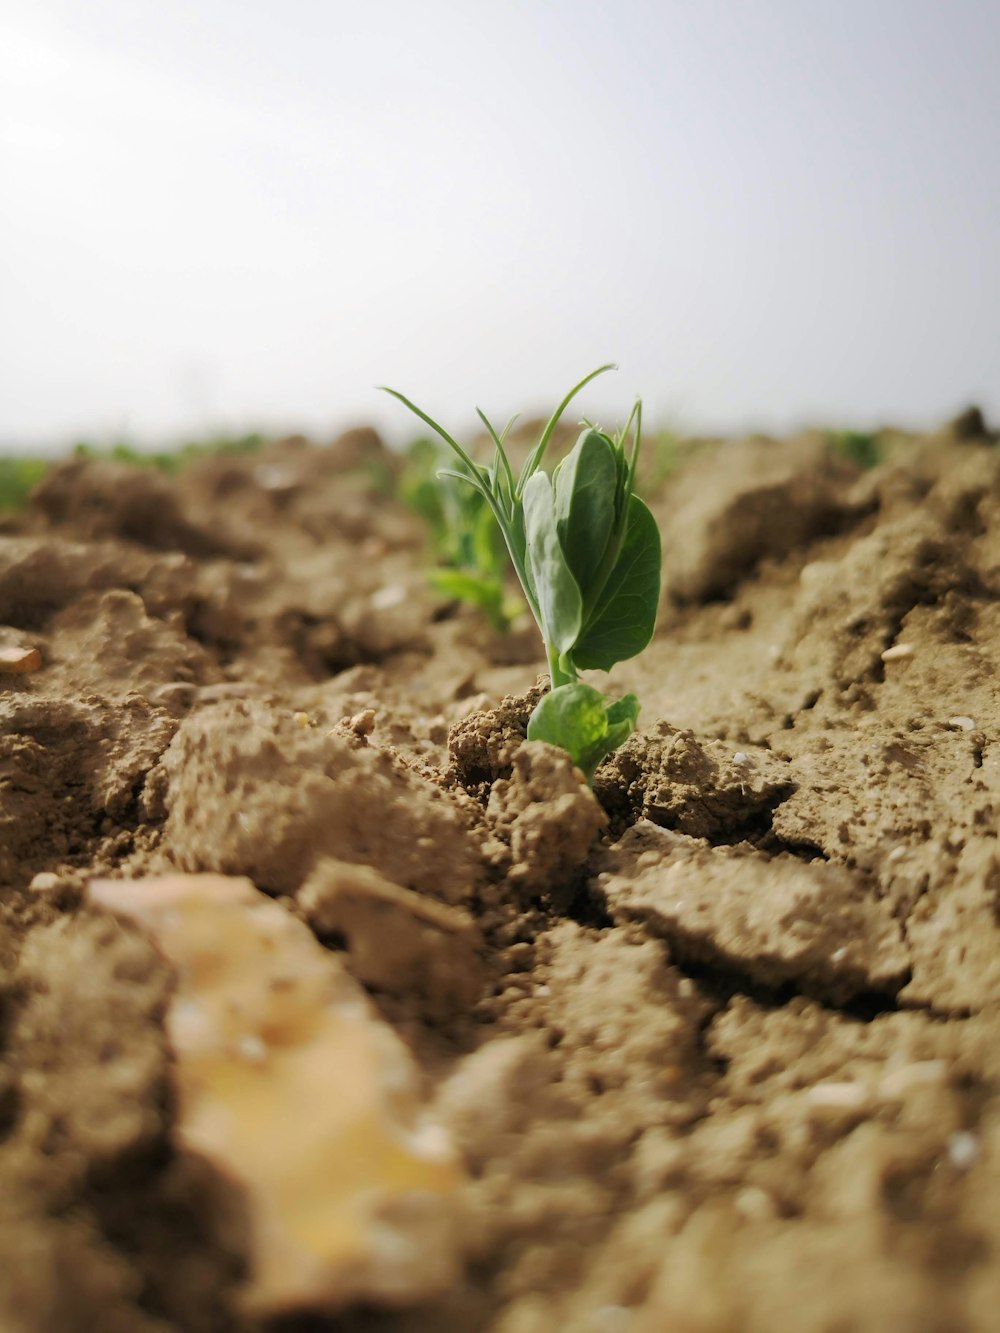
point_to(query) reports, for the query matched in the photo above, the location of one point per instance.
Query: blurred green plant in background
(465, 538)
(19, 475)
(860, 447)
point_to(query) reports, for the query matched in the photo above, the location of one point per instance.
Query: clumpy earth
(716, 1045)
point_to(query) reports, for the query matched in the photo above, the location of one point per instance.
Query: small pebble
(838, 1096)
(392, 594)
(44, 882)
(363, 723)
(252, 1049)
(962, 723)
(963, 1149)
(19, 661)
(897, 652)
(755, 1204)
(274, 477)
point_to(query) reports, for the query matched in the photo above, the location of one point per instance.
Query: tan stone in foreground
(19, 661)
(292, 1087)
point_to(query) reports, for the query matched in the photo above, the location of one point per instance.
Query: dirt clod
(548, 816)
(775, 920)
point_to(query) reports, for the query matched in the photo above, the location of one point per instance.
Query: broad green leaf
(585, 486)
(579, 720)
(560, 606)
(622, 621)
(572, 716)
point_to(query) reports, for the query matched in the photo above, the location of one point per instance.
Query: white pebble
(252, 1049)
(897, 652)
(392, 594)
(755, 1204)
(44, 882)
(962, 723)
(963, 1149)
(838, 1096)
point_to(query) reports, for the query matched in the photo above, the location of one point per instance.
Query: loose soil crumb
(717, 1043)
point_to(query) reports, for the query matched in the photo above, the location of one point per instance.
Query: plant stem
(556, 673)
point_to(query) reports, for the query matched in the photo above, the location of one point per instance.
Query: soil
(718, 1042)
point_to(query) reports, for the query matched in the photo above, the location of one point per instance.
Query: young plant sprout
(466, 540)
(586, 551)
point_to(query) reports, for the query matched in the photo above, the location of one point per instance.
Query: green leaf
(560, 606)
(623, 715)
(489, 551)
(622, 621)
(452, 443)
(478, 590)
(578, 719)
(585, 484)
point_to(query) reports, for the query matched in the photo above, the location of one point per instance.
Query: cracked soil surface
(718, 1043)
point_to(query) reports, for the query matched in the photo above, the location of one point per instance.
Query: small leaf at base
(578, 719)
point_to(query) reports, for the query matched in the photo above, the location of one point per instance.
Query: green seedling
(466, 540)
(861, 448)
(586, 551)
(170, 461)
(18, 478)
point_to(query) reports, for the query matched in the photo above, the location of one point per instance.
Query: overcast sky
(216, 214)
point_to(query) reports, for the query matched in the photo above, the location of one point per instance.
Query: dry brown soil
(724, 1053)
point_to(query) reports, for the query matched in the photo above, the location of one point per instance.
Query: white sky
(216, 214)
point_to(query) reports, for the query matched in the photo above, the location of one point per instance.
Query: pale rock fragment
(963, 1150)
(962, 723)
(898, 652)
(295, 1091)
(388, 596)
(19, 661)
